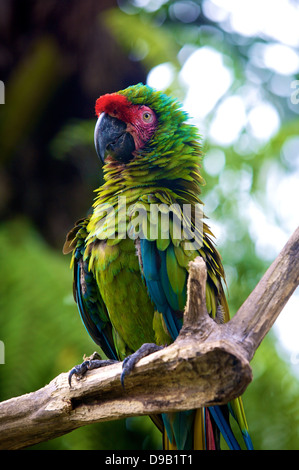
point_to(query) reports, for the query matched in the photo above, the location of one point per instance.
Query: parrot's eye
(147, 116)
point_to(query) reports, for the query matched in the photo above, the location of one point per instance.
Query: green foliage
(272, 401)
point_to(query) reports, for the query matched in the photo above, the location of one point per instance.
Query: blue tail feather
(224, 427)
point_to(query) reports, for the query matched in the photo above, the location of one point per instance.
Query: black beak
(111, 138)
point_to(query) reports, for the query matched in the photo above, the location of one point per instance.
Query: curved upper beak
(111, 138)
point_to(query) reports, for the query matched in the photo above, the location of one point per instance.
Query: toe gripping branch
(80, 370)
(128, 364)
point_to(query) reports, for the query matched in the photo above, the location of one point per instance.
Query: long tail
(201, 429)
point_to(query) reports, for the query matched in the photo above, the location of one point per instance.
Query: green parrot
(130, 257)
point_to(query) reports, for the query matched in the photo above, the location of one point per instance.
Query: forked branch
(207, 364)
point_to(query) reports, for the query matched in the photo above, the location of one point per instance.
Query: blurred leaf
(141, 38)
(29, 90)
(74, 134)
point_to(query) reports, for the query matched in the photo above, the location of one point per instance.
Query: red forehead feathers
(115, 105)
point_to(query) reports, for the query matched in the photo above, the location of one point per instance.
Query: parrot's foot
(92, 362)
(129, 363)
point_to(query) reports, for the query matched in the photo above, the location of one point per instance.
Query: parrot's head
(122, 128)
(144, 128)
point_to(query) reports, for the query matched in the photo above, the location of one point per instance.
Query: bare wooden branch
(207, 364)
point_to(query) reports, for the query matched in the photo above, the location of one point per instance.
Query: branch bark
(208, 364)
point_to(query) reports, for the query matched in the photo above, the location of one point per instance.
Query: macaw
(130, 273)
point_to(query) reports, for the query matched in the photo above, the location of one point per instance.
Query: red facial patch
(115, 105)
